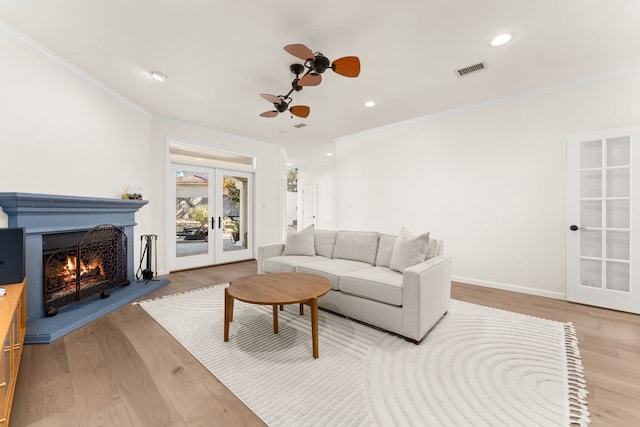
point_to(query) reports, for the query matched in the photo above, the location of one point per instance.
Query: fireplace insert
(81, 265)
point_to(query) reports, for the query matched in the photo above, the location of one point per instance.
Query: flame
(71, 263)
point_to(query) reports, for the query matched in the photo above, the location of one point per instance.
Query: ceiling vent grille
(300, 125)
(470, 69)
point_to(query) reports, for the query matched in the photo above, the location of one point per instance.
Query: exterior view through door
(603, 211)
(212, 216)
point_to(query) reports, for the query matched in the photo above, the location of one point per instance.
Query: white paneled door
(603, 219)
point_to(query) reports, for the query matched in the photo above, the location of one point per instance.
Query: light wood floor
(125, 370)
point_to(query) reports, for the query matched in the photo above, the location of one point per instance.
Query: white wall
(323, 175)
(269, 178)
(489, 180)
(62, 134)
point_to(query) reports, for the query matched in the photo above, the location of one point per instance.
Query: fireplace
(60, 231)
(93, 264)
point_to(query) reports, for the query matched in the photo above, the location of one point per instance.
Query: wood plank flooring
(125, 370)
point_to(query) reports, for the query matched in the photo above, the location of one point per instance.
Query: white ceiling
(220, 55)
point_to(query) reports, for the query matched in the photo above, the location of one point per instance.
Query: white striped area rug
(478, 367)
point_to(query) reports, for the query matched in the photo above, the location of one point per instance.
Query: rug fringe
(577, 389)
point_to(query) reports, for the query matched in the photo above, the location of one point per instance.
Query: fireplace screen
(93, 265)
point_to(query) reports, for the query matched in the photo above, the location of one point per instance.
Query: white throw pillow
(299, 242)
(408, 250)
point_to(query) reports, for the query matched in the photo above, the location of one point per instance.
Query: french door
(213, 216)
(603, 195)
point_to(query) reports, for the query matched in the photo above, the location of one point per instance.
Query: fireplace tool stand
(148, 250)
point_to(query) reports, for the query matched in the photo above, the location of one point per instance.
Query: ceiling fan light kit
(315, 64)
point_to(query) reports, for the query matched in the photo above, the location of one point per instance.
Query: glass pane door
(192, 243)
(605, 178)
(600, 210)
(235, 227)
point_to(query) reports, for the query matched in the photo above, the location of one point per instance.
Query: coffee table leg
(314, 326)
(228, 313)
(275, 319)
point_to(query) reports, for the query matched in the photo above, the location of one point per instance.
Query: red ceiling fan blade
(310, 79)
(349, 66)
(269, 114)
(300, 110)
(271, 98)
(300, 51)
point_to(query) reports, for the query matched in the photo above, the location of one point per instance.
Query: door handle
(575, 228)
(219, 222)
(213, 223)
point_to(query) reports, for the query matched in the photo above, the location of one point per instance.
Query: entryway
(213, 215)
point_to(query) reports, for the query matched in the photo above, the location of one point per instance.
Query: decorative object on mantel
(314, 64)
(479, 366)
(132, 193)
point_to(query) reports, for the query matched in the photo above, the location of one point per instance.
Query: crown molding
(15, 36)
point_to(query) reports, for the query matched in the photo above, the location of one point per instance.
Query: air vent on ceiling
(470, 69)
(300, 125)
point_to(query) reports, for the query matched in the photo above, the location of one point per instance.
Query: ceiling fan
(281, 104)
(315, 64)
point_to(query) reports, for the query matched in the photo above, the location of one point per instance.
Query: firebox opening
(79, 265)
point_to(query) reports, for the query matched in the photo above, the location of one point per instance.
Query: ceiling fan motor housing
(282, 107)
(320, 63)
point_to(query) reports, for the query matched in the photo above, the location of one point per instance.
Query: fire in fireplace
(80, 265)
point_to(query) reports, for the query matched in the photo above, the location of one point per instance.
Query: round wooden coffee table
(278, 289)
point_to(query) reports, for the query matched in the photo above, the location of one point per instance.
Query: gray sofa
(398, 283)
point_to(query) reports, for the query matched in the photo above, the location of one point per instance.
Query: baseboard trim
(512, 288)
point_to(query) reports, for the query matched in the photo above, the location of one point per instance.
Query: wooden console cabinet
(13, 324)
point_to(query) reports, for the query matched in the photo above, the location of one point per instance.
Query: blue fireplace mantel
(41, 214)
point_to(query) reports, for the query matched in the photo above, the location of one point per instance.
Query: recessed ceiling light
(329, 154)
(370, 104)
(501, 39)
(157, 75)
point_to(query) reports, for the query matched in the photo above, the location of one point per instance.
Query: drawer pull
(3, 385)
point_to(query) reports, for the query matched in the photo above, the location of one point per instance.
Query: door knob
(575, 228)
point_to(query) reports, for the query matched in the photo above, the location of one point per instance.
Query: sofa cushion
(385, 250)
(375, 283)
(287, 264)
(408, 250)
(325, 240)
(332, 269)
(300, 242)
(356, 246)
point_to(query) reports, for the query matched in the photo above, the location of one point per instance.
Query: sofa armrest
(268, 251)
(426, 295)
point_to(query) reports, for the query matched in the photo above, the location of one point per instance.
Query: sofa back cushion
(357, 246)
(299, 242)
(385, 250)
(325, 241)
